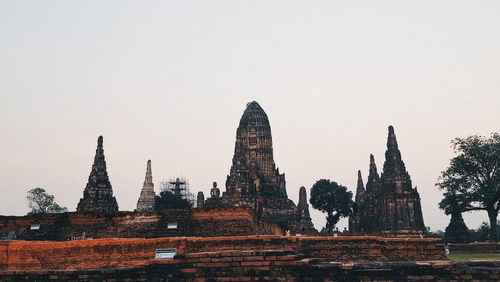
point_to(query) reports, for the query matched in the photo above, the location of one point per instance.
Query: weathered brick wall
(270, 265)
(195, 222)
(230, 222)
(100, 253)
(475, 248)
(65, 226)
(4, 256)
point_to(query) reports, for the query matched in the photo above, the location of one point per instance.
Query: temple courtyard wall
(272, 266)
(129, 252)
(165, 223)
(244, 258)
(475, 248)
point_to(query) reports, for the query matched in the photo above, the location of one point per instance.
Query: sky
(169, 81)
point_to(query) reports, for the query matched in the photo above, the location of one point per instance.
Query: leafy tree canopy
(472, 180)
(332, 199)
(168, 200)
(39, 201)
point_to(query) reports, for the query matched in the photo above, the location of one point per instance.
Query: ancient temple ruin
(355, 218)
(146, 200)
(305, 225)
(255, 182)
(98, 194)
(253, 172)
(457, 231)
(389, 205)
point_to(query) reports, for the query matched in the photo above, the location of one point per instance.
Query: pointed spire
(373, 177)
(392, 143)
(98, 194)
(373, 167)
(146, 200)
(302, 196)
(303, 206)
(99, 141)
(99, 174)
(149, 174)
(99, 152)
(361, 187)
(393, 163)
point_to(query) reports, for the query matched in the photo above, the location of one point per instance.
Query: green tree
(435, 234)
(472, 180)
(39, 201)
(481, 234)
(168, 200)
(332, 199)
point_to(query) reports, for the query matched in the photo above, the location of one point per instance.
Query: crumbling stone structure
(457, 231)
(255, 182)
(98, 194)
(110, 252)
(390, 205)
(146, 202)
(163, 223)
(355, 219)
(305, 225)
(273, 265)
(253, 172)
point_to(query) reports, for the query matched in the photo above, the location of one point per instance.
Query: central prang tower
(253, 172)
(255, 183)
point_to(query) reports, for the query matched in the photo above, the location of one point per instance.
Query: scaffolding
(178, 186)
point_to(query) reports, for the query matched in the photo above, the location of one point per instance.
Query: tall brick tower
(253, 172)
(146, 200)
(255, 183)
(390, 204)
(402, 213)
(98, 194)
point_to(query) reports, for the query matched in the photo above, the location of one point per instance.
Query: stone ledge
(116, 252)
(182, 270)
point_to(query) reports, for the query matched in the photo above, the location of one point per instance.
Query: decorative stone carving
(214, 192)
(98, 194)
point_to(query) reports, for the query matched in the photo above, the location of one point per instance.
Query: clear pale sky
(169, 80)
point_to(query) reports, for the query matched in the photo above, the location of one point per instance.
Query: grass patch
(487, 256)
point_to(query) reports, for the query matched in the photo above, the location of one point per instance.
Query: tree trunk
(492, 214)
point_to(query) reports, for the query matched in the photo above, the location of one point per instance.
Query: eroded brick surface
(99, 253)
(190, 222)
(265, 266)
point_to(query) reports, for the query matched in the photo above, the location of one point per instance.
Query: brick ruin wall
(230, 222)
(99, 253)
(271, 266)
(251, 258)
(195, 222)
(475, 248)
